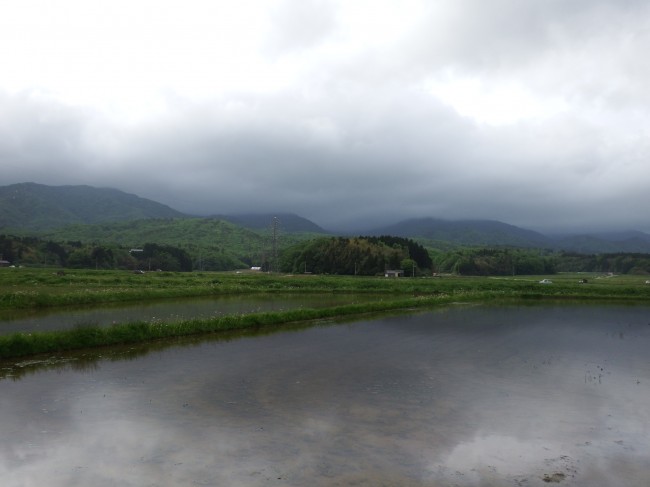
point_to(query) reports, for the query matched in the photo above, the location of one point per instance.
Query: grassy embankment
(38, 288)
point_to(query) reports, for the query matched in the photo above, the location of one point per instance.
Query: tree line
(618, 263)
(33, 251)
(495, 262)
(366, 256)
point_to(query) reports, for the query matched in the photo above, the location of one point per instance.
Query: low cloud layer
(365, 112)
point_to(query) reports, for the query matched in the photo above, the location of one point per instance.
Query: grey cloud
(406, 160)
(39, 138)
(360, 140)
(506, 33)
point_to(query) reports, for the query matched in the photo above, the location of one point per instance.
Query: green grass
(34, 288)
(40, 288)
(84, 337)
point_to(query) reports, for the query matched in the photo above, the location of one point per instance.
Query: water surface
(467, 396)
(28, 321)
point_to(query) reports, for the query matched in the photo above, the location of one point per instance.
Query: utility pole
(275, 223)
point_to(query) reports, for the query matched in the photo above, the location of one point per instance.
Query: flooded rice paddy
(28, 321)
(465, 396)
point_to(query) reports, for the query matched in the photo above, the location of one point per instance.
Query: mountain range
(435, 232)
(286, 222)
(37, 209)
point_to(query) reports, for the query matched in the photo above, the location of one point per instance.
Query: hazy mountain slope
(606, 243)
(37, 207)
(287, 222)
(40, 209)
(437, 233)
(470, 232)
(206, 239)
(216, 243)
(181, 232)
(628, 235)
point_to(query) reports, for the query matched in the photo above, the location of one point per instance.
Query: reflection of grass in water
(89, 359)
(90, 336)
(97, 287)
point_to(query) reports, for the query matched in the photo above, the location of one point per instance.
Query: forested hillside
(286, 222)
(357, 256)
(49, 211)
(618, 263)
(495, 262)
(34, 252)
(475, 233)
(212, 244)
(324, 255)
(37, 207)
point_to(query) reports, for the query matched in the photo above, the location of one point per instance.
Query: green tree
(409, 266)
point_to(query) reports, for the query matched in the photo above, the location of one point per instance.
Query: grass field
(37, 288)
(40, 288)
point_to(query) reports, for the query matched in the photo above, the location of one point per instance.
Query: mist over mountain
(36, 208)
(466, 232)
(352, 114)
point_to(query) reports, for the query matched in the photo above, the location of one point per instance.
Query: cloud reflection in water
(467, 397)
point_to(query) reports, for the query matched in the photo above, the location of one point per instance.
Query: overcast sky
(532, 112)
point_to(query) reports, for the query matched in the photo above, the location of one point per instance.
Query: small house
(394, 273)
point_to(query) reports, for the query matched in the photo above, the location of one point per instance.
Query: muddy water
(467, 396)
(28, 321)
